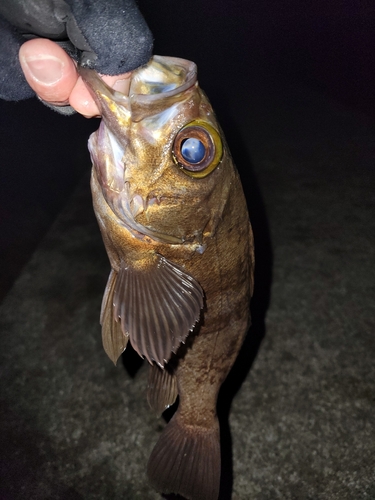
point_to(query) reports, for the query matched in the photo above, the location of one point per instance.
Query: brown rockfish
(174, 221)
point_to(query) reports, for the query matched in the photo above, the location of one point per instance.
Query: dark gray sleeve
(110, 36)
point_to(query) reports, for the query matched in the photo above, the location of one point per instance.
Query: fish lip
(97, 86)
(142, 232)
(190, 79)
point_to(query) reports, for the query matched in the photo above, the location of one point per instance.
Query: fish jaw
(107, 157)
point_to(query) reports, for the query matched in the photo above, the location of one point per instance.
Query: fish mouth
(160, 78)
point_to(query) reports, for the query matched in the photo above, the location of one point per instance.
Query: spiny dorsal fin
(158, 307)
(162, 389)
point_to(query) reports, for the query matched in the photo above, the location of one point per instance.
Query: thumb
(49, 70)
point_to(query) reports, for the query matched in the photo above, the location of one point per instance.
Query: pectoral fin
(114, 339)
(158, 307)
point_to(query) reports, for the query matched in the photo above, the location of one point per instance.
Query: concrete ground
(298, 410)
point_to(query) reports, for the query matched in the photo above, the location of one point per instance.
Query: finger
(81, 100)
(48, 69)
(52, 75)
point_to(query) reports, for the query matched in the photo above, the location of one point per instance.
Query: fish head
(159, 154)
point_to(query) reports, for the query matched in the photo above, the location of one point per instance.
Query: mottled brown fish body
(174, 222)
(225, 272)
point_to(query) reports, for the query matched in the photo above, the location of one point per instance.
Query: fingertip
(81, 100)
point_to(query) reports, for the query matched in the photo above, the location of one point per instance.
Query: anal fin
(162, 389)
(186, 461)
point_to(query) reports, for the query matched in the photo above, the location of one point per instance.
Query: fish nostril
(137, 205)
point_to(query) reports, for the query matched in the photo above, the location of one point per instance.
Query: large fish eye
(197, 149)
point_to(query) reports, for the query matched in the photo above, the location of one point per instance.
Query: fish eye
(193, 150)
(197, 149)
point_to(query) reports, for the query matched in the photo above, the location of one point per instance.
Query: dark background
(292, 83)
(326, 45)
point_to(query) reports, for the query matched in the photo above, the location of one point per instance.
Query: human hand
(108, 36)
(52, 74)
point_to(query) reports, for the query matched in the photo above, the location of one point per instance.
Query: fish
(173, 217)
